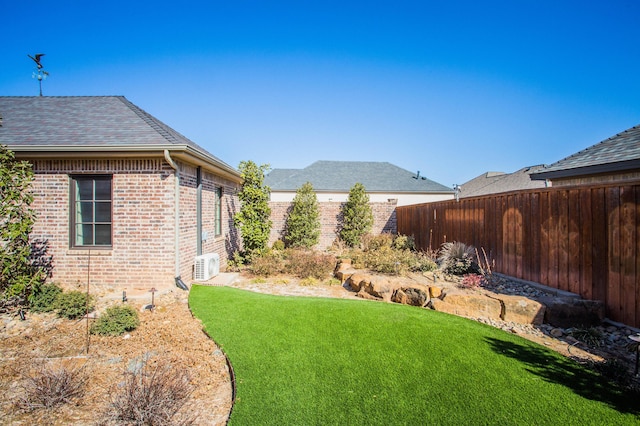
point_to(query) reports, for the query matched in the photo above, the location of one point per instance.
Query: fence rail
(581, 239)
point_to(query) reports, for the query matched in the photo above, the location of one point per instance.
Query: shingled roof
(498, 182)
(340, 176)
(616, 154)
(85, 125)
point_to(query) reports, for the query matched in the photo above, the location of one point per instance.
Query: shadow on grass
(566, 372)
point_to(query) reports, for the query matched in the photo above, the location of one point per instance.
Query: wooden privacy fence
(580, 239)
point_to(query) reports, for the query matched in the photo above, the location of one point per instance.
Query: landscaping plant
(18, 274)
(457, 258)
(116, 320)
(253, 219)
(45, 298)
(46, 387)
(357, 216)
(152, 395)
(302, 227)
(74, 304)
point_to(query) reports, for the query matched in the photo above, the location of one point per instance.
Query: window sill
(94, 251)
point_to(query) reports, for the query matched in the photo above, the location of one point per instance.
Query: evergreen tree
(18, 277)
(357, 216)
(303, 222)
(253, 219)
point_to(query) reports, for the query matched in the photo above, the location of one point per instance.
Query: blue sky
(450, 88)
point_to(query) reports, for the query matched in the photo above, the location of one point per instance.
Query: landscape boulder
(410, 296)
(568, 312)
(378, 287)
(522, 310)
(470, 305)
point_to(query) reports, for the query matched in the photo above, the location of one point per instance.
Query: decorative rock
(399, 296)
(410, 296)
(522, 310)
(569, 311)
(378, 287)
(435, 291)
(357, 280)
(556, 332)
(468, 305)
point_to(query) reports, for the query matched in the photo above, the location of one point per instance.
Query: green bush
(73, 304)
(253, 220)
(403, 242)
(357, 216)
(303, 222)
(44, 300)
(376, 242)
(278, 245)
(116, 320)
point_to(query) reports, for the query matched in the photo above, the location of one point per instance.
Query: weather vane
(39, 73)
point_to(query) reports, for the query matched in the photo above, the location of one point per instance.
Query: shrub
(20, 274)
(74, 304)
(303, 222)
(253, 219)
(457, 258)
(268, 264)
(471, 281)
(403, 242)
(306, 263)
(44, 300)
(357, 217)
(151, 396)
(50, 387)
(376, 242)
(278, 245)
(116, 320)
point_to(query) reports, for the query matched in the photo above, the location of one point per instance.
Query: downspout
(174, 166)
(199, 211)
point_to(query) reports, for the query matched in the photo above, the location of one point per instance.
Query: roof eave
(185, 153)
(619, 166)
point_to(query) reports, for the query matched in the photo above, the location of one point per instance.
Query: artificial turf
(317, 361)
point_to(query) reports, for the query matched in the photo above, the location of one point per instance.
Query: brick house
(387, 185)
(616, 159)
(121, 198)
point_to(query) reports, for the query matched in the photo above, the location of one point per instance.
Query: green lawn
(314, 361)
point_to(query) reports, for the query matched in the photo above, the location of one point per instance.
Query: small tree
(357, 216)
(253, 219)
(303, 222)
(18, 277)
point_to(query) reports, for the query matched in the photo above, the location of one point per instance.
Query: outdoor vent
(207, 266)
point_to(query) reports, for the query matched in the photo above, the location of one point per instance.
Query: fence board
(581, 239)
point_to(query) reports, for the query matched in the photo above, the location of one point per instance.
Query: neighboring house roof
(497, 182)
(340, 176)
(616, 154)
(67, 126)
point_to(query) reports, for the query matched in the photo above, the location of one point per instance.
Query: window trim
(73, 179)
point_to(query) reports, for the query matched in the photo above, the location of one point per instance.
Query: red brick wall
(384, 220)
(143, 254)
(224, 244)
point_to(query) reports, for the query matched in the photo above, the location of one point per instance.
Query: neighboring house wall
(401, 198)
(384, 218)
(142, 254)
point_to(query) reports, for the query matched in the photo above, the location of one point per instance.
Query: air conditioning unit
(207, 266)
